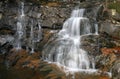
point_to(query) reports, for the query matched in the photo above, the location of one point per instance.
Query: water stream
(32, 38)
(96, 28)
(20, 32)
(65, 49)
(35, 33)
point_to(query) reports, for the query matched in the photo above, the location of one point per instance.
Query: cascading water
(96, 28)
(21, 18)
(35, 35)
(95, 19)
(35, 32)
(39, 36)
(32, 38)
(66, 48)
(20, 27)
(19, 34)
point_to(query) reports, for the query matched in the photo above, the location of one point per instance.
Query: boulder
(111, 29)
(116, 70)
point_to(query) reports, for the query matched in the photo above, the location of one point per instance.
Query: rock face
(52, 15)
(21, 62)
(116, 70)
(49, 14)
(112, 60)
(111, 29)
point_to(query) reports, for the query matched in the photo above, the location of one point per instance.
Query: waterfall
(78, 13)
(22, 9)
(19, 35)
(21, 28)
(66, 48)
(35, 35)
(96, 11)
(35, 32)
(39, 32)
(96, 28)
(32, 37)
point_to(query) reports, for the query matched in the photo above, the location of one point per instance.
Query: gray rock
(52, 15)
(111, 29)
(116, 70)
(6, 38)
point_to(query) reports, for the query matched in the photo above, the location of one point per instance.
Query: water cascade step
(30, 38)
(20, 32)
(65, 49)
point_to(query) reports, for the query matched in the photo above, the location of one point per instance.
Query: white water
(22, 9)
(20, 32)
(32, 38)
(35, 35)
(66, 48)
(39, 34)
(95, 14)
(96, 28)
(22, 18)
(19, 35)
(35, 32)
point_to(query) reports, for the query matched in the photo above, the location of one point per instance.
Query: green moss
(114, 6)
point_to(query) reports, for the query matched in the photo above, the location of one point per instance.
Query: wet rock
(5, 48)
(48, 35)
(105, 40)
(5, 43)
(90, 43)
(48, 14)
(9, 13)
(6, 29)
(57, 26)
(105, 62)
(111, 29)
(34, 64)
(93, 43)
(6, 38)
(13, 57)
(2, 41)
(107, 51)
(22, 58)
(53, 15)
(116, 70)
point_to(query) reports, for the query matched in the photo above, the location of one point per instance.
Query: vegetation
(114, 6)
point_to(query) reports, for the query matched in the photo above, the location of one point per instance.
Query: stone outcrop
(20, 62)
(49, 14)
(116, 70)
(111, 29)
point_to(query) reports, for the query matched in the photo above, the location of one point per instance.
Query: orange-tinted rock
(34, 63)
(107, 51)
(104, 77)
(53, 4)
(22, 58)
(106, 60)
(15, 53)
